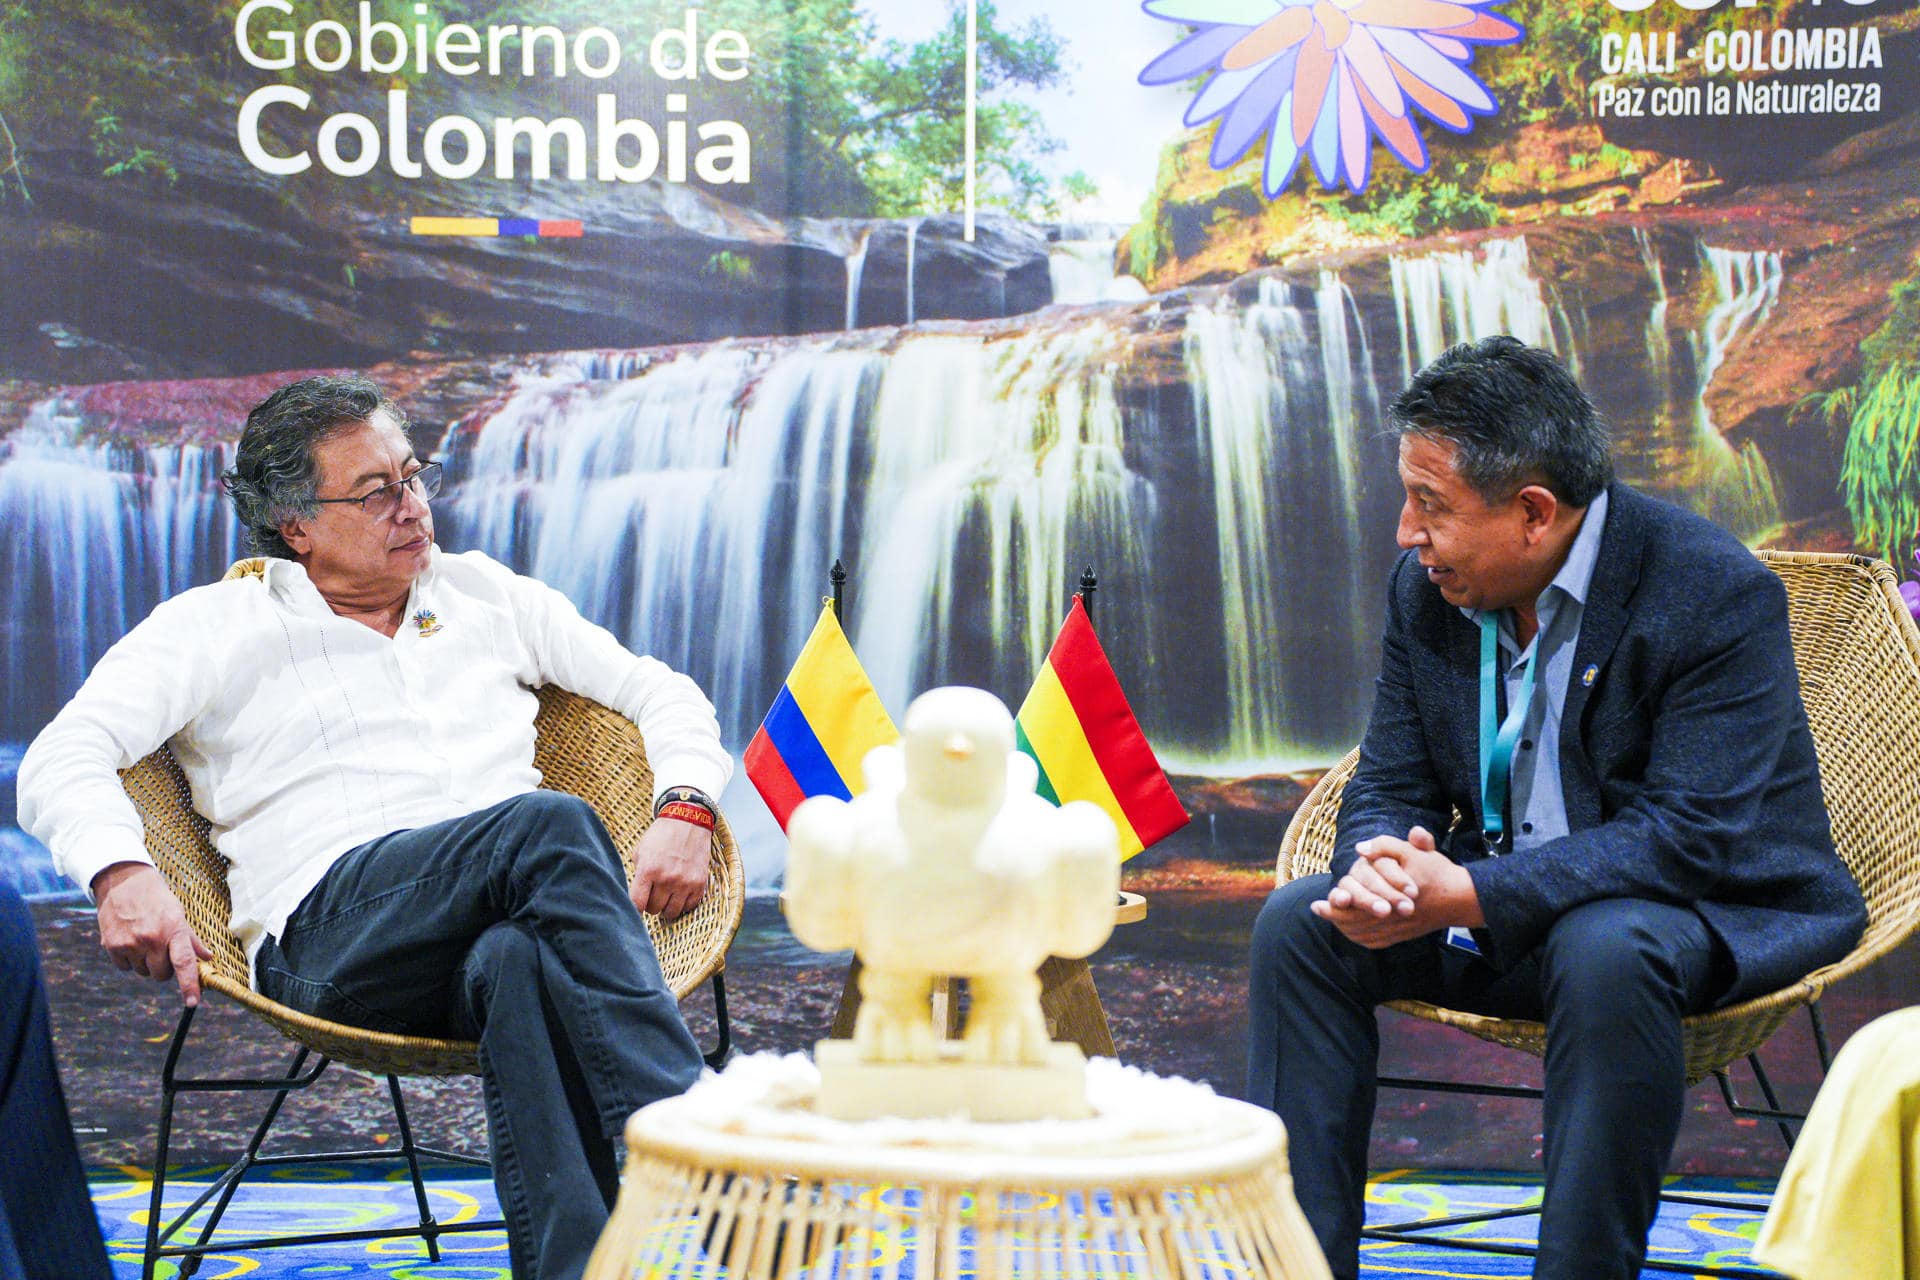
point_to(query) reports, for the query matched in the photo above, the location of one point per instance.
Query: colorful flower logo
(1323, 78)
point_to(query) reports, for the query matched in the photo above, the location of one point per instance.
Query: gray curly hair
(274, 477)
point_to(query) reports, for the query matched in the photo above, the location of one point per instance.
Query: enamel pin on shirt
(426, 622)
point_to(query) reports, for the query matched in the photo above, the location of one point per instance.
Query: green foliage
(1897, 341)
(870, 126)
(118, 157)
(728, 265)
(1880, 470)
(1880, 467)
(1144, 247)
(1078, 186)
(1416, 211)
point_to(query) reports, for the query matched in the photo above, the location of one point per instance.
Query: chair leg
(151, 1258)
(189, 1256)
(429, 1229)
(229, 1180)
(718, 1057)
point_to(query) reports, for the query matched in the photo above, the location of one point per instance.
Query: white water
(1735, 485)
(1227, 482)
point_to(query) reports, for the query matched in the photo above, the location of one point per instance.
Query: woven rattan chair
(1858, 656)
(583, 748)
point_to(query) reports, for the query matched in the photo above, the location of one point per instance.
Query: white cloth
(304, 734)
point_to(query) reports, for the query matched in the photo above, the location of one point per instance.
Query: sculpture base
(990, 1092)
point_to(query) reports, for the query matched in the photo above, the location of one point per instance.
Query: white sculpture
(949, 864)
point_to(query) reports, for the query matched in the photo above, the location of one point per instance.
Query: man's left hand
(1439, 890)
(670, 868)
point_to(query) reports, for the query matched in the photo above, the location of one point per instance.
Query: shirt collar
(288, 580)
(1576, 575)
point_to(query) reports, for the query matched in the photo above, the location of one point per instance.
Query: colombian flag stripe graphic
(552, 227)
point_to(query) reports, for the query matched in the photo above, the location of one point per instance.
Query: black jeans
(512, 927)
(47, 1227)
(1611, 982)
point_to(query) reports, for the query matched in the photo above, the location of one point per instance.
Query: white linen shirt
(304, 734)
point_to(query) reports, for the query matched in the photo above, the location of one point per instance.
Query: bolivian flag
(824, 722)
(1078, 728)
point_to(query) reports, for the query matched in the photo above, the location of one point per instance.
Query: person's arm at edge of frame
(139, 694)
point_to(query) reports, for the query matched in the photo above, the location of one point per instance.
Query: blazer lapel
(1604, 619)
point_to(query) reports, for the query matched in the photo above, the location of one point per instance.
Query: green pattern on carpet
(342, 1198)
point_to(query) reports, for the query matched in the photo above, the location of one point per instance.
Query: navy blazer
(1687, 764)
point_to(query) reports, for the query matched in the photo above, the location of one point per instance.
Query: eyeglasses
(381, 503)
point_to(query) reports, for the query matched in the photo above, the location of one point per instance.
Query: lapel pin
(428, 624)
(1586, 677)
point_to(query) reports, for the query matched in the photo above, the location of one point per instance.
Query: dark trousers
(47, 1227)
(512, 927)
(1611, 982)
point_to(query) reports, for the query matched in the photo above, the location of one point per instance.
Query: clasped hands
(1400, 889)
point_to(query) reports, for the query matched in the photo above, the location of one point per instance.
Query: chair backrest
(1858, 656)
(581, 747)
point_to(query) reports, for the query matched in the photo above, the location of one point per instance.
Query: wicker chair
(1858, 655)
(583, 748)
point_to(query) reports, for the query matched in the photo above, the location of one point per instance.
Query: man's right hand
(144, 928)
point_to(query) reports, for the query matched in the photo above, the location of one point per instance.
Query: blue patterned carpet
(346, 1200)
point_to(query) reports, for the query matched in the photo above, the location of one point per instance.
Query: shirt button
(1527, 827)
(1526, 744)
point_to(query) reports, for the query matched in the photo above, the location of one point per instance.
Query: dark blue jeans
(47, 1227)
(1611, 982)
(512, 927)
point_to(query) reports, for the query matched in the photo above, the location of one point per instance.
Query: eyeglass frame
(396, 486)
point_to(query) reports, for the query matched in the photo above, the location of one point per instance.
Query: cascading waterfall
(1217, 459)
(913, 237)
(1454, 296)
(120, 527)
(1277, 441)
(1082, 271)
(856, 267)
(1734, 482)
(996, 469)
(99, 532)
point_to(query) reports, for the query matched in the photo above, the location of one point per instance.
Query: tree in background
(877, 127)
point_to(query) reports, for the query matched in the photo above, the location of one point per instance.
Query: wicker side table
(739, 1180)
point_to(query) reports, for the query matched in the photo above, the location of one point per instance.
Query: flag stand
(1068, 999)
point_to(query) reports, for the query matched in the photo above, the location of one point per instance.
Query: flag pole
(1088, 585)
(838, 576)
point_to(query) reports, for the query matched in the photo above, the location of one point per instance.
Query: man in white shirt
(357, 725)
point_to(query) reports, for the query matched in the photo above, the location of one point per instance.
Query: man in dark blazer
(1603, 686)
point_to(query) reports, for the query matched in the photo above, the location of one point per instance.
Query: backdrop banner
(692, 299)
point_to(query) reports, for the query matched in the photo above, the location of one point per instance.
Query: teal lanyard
(1496, 744)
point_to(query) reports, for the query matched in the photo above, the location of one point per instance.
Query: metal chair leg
(160, 1231)
(237, 1170)
(717, 1058)
(429, 1229)
(151, 1257)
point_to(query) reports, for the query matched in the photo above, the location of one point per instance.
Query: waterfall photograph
(826, 326)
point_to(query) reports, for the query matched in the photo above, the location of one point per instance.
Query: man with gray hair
(357, 724)
(1603, 687)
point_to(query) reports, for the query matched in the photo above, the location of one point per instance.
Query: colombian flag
(1078, 728)
(825, 720)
